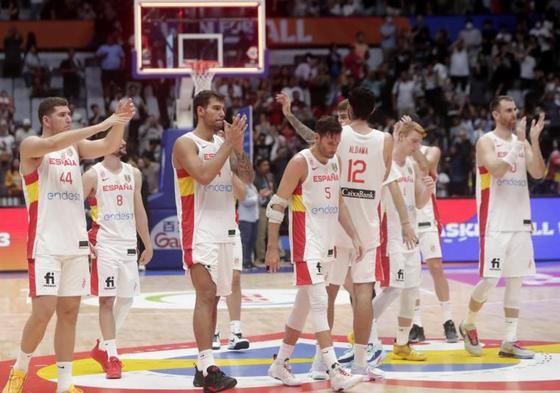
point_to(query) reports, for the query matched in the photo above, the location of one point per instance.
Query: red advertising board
(13, 239)
(308, 32)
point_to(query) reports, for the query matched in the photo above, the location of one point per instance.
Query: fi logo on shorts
(110, 282)
(495, 264)
(49, 280)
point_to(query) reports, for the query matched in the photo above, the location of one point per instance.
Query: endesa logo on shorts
(218, 187)
(64, 196)
(325, 210)
(165, 234)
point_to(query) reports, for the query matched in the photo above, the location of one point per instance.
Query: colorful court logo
(251, 298)
(171, 368)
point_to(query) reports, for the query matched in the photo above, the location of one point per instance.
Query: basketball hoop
(202, 74)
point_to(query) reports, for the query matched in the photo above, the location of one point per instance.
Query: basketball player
(427, 158)
(310, 185)
(402, 273)
(112, 188)
(365, 161)
(204, 164)
(58, 248)
(503, 159)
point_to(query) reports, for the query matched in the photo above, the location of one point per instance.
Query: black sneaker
(216, 380)
(416, 334)
(450, 332)
(198, 380)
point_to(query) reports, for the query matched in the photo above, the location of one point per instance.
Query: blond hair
(408, 126)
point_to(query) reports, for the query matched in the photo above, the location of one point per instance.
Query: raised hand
(284, 100)
(536, 127)
(521, 129)
(126, 106)
(428, 182)
(234, 132)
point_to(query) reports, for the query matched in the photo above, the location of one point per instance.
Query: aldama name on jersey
(62, 161)
(322, 178)
(358, 149)
(117, 187)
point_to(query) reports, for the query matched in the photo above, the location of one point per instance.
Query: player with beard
(112, 189)
(204, 165)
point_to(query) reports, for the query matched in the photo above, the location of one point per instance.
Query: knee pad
(483, 288)
(408, 302)
(512, 295)
(297, 317)
(318, 304)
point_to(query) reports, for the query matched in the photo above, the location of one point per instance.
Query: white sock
(216, 331)
(235, 327)
(471, 316)
(328, 356)
(22, 361)
(446, 310)
(402, 335)
(360, 355)
(317, 357)
(511, 329)
(110, 346)
(284, 352)
(373, 338)
(205, 360)
(120, 310)
(417, 320)
(64, 376)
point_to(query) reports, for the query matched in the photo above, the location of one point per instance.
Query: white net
(202, 75)
(200, 79)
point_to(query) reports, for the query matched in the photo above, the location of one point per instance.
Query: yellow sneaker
(405, 352)
(351, 338)
(16, 379)
(74, 389)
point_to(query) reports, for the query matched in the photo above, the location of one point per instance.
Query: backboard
(169, 35)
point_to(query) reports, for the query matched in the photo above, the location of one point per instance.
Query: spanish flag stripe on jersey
(298, 225)
(483, 212)
(186, 191)
(31, 183)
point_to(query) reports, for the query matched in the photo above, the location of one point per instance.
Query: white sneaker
(216, 344)
(375, 354)
(237, 342)
(347, 357)
(341, 378)
(368, 372)
(283, 373)
(318, 370)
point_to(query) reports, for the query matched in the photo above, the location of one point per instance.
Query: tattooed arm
(241, 166)
(301, 129)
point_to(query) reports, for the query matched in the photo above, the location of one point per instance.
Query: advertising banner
(309, 32)
(13, 239)
(460, 229)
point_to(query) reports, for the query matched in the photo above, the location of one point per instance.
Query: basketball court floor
(158, 351)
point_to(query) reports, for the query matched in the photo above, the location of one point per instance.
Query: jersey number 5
(356, 168)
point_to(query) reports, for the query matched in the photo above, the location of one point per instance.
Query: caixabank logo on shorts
(170, 369)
